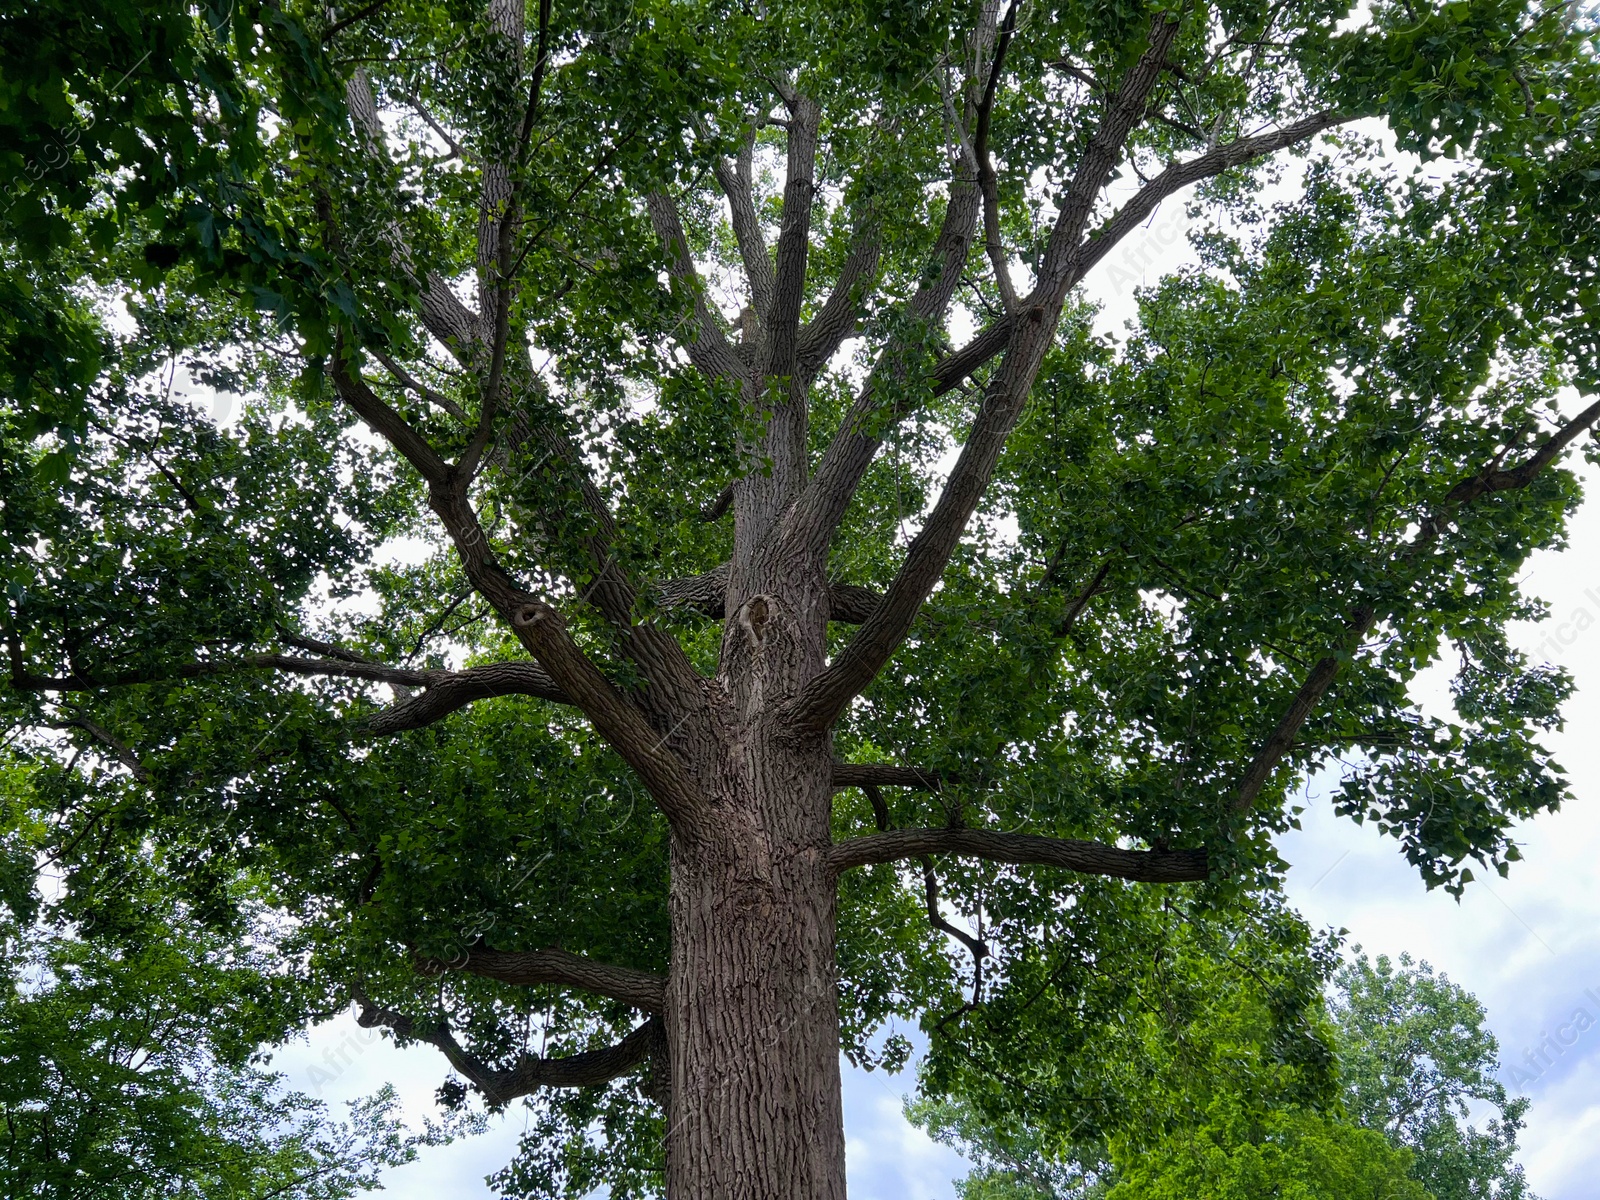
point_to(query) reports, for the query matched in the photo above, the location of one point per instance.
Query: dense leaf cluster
(1207, 1113)
(134, 1072)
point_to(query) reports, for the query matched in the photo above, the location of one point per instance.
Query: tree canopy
(1235, 1077)
(1416, 1060)
(132, 1069)
(684, 586)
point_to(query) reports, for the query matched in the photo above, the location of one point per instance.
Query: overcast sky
(1528, 946)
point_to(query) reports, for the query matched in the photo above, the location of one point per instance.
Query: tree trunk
(752, 1014)
(752, 1007)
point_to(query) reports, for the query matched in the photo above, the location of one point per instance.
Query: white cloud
(340, 1061)
(886, 1157)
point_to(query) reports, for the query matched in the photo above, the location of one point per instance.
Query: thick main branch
(867, 775)
(530, 1072)
(708, 346)
(448, 691)
(737, 185)
(553, 965)
(1089, 858)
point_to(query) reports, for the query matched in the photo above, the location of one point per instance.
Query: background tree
(134, 1072)
(1202, 1104)
(1416, 1060)
(1182, 1030)
(737, 662)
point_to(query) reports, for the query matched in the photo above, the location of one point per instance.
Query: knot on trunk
(753, 617)
(529, 614)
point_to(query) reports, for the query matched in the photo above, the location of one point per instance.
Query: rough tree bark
(752, 1014)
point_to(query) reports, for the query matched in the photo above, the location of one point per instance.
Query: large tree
(687, 412)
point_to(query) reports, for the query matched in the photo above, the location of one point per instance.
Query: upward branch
(811, 521)
(993, 338)
(987, 182)
(455, 325)
(534, 621)
(540, 629)
(836, 320)
(782, 332)
(673, 679)
(821, 506)
(707, 343)
(737, 183)
(1321, 676)
(820, 704)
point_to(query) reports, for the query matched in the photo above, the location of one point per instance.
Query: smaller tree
(1016, 1164)
(1415, 1057)
(1180, 1040)
(133, 1073)
(1237, 1155)
(1412, 1056)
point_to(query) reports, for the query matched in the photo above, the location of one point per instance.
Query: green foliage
(130, 1074)
(1415, 1058)
(1180, 526)
(1091, 1056)
(1018, 1162)
(1281, 1156)
(1412, 1058)
(582, 1140)
(110, 115)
